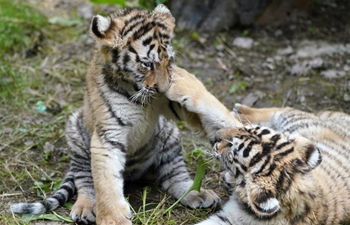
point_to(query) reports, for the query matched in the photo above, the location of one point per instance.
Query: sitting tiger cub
(291, 167)
(124, 129)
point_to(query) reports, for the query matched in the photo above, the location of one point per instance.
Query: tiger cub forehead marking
(135, 45)
(132, 24)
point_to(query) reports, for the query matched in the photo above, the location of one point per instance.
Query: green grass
(20, 23)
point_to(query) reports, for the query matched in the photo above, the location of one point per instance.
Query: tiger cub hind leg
(78, 139)
(171, 171)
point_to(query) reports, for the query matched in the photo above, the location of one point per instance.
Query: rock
(243, 42)
(305, 66)
(86, 11)
(278, 33)
(285, 51)
(330, 74)
(48, 147)
(209, 16)
(220, 47)
(310, 49)
(250, 99)
(249, 10)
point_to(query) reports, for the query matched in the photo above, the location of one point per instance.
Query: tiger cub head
(268, 167)
(136, 46)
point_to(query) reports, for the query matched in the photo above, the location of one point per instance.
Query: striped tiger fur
(292, 167)
(124, 128)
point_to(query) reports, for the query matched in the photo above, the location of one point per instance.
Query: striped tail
(65, 192)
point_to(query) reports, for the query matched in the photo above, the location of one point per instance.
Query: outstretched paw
(203, 199)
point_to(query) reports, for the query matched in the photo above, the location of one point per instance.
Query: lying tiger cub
(291, 167)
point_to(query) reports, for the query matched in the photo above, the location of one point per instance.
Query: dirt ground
(304, 63)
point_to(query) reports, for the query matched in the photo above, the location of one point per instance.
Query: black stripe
(115, 56)
(61, 198)
(126, 59)
(284, 153)
(144, 29)
(275, 138)
(284, 182)
(124, 33)
(255, 159)
(111, 111)
(149, 51)
(240, 146)
(164, 35)
(280, 146)
(128, 22)
(47, 204)
(267, 160)
(298, 166)
(264, 132)
(147, 41)
(247, 149)
(171, 106)
(117, 145)
(161, 25)
(241, 166)
(271, 169)
(78, 157)
(131, 49)
(176, 172)
(223, 219)
(69, 189)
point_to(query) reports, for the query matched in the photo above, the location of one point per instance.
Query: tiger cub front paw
(118, 214)
(229, 181)
(203, 199)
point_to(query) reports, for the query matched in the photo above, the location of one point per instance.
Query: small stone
(270, 66)
(333, 74)
(285, 51)
(243, 42)
(250, 99)
(48, 147)
(220, 47)
(270, 60)
(240, 59)
(86, 12)
(278, 33)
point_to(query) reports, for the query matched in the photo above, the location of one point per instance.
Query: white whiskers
(142, 96)
(241, 117)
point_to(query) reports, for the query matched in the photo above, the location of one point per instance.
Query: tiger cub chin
(124, 129)
(292, 167)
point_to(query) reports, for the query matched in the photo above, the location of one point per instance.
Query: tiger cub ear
(161, 11)
(262, 202)
(309, 152)
(104, 30)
